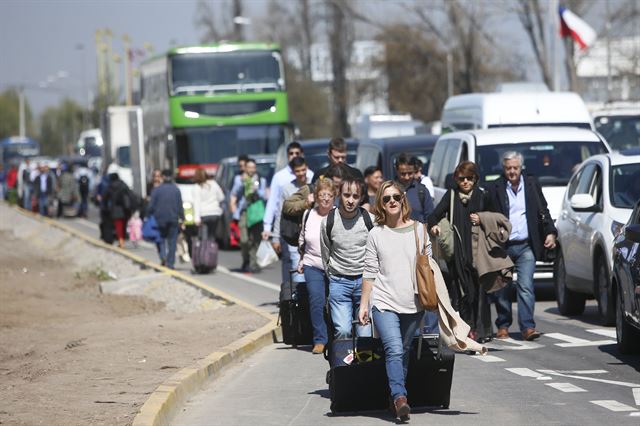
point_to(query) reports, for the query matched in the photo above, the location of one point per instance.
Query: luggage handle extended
(354, 336)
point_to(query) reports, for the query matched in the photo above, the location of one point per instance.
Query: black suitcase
(295, 319)
(429, 375)
(204, 252)
(357, 377)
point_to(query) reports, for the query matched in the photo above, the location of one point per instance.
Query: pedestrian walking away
(465, 291)
(311, 260)
(118, 201)
(389, 292)
(207, 199)
(166, 208)
(520, 199)
(344, 235)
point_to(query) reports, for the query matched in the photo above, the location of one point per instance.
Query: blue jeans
(431, 325)
(294, 257)
(43, 204)
(396, 332)
(525, 265)
(344, 303)
(26, 197)
(316, 280)
(169, 235)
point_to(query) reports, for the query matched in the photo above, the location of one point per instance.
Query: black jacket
(537, 210)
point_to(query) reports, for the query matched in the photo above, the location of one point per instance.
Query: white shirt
(279, 180)
(517, 212)
(206, 200)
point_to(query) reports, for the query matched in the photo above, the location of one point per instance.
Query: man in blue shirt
(166, 208)
(520, 199)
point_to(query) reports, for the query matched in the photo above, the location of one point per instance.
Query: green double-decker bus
(204, 103)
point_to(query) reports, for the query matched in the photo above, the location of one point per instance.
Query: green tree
(10, 114)
(60, 127)
(308, 105)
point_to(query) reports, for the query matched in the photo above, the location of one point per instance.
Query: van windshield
(578, 125)
(552, 163)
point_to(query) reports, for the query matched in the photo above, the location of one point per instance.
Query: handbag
(425, 280)
(445, 237)
(150, 230)
(255, 213)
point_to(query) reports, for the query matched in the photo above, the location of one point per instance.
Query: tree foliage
(10, 114)
(60, 127)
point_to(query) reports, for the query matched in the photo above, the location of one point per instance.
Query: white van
(550, 153)
(512, 109)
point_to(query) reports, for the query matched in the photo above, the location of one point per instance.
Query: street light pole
(21, 111)
(85, 110)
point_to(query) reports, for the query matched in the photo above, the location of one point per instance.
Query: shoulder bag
(445, 237)
(425, 280)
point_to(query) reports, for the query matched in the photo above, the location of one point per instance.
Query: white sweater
(206, 199)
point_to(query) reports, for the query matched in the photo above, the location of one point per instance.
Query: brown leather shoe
(318, 348)
(402, 408)
(530, 334)
(503, 333)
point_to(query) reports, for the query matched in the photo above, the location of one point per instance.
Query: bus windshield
(552, 163)
(193, 73)
(207, 145)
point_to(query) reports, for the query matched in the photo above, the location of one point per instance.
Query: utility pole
(127, 69)
(21, 113)
(449, 74)
(552, 57)
(608, 32)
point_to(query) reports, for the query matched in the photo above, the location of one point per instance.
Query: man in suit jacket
(43, 187)
(520, 199)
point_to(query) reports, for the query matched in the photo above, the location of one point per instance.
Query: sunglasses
(387, 198)
(463, 178)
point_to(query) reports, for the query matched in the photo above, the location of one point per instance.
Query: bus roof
(212, 48)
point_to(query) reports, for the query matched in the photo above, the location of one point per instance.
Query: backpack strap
(421, 195)
(330, 220)
(367, 219)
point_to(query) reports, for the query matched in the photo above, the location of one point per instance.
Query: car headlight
(616, 228)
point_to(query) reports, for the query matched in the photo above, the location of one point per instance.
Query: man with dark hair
(251, 189)
(420, 177)
(373, 179)
(337, 153)
(289, 250)
(166, 207)
(343, 237)
(417, 194)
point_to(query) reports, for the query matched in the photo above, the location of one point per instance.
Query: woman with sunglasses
(389, 292)
(466, 294)
(310, 262)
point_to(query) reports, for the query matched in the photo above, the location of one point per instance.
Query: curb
(167, 398)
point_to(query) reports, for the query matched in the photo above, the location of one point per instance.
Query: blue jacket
(421, 206)
(166, 204)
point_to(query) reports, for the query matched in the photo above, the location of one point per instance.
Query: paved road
(571, 375)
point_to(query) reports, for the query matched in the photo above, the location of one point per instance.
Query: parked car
(550, 153)
(626, 284)
(383, 152)
(227, 170)
(598, 201)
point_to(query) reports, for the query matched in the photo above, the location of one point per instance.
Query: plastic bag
(266, 255)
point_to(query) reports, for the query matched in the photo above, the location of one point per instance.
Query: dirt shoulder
(71, 355)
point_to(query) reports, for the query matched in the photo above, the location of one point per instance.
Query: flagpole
(553, 37)
(609, 77)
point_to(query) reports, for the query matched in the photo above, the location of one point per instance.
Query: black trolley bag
(357, 376)
(294, 316)
(430, 372)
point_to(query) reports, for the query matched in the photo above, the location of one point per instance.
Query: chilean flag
(572, 26)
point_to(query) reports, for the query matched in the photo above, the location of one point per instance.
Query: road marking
(514, 345)
(604, 332)
(636, 395)
(566, 387)
(526, 372)
(592, 379)
(575, 342)
(612, 405)
(582, 371)
(249, 278)
(488, 358)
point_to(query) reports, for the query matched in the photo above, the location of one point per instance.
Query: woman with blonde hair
(311, 259)
(207, 196)
(389, 292)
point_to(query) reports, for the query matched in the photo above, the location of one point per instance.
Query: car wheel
(569, 301)
(602, 292)
(627, 336)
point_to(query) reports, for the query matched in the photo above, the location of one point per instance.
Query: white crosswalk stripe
(636, 395)
(575, 342)
(612, 405)
(488, 358)
(527, 372)
(566, 387)
(606, 332)
(512, 344)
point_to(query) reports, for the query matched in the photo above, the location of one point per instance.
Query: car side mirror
(632, 233)
(583, 203)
